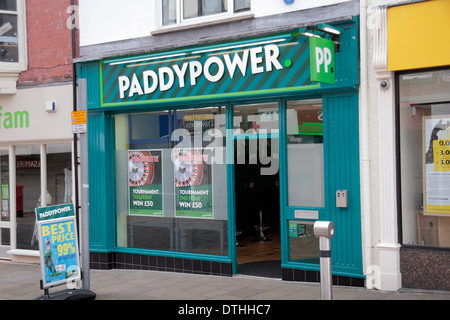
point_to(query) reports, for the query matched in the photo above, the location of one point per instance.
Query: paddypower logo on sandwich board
(232, 69)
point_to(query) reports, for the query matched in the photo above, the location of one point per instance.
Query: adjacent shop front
(422, 74)
(198, 154)
(35, 160)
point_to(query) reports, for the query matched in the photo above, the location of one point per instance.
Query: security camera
(384, 84)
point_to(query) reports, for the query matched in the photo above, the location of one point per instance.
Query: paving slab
(20, 281)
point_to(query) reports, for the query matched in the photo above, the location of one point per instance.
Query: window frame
(21, 64)
(398, 161)
(121, 241)
(212, 18)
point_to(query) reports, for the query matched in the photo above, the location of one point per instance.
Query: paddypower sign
(322, 60)
(270, 65)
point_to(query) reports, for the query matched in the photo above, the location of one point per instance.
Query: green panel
(342, 157)
(341, 165)
(231, 203)
(89, 71)
(347, 55)
(101, 182)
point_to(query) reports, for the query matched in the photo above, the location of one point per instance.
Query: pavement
(19, 281)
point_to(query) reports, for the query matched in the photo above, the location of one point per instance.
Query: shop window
(28, 186)
(305, 153)
(256, 140)
(179, 11)
(424, 152)
(59, 173)
(170, 190)
(28, 192)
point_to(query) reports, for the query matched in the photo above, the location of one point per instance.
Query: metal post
(261, 229)
(324, 230)
(85, 250)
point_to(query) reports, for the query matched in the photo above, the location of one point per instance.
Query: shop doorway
(257, 195)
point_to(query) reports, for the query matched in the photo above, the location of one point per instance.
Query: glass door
(5, 221)
(305, 177)
(320, 161)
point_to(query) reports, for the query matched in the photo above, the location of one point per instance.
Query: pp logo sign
(322, 60)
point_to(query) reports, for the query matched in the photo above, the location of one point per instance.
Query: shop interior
(257, 221)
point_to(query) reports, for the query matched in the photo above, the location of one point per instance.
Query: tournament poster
(145, 182)
(193, 183)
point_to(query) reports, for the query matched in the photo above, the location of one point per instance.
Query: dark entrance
(257, 192)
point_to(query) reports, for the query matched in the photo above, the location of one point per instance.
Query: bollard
(324, 230)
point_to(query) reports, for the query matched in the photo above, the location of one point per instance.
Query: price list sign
(442, 154)
(58, 244)
(436, 154)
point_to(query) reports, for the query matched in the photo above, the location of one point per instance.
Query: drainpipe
(364, 143)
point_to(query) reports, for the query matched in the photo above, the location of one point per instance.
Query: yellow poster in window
(441, 149)
(436, 165)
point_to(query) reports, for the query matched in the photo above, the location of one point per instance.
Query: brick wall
(49, 42)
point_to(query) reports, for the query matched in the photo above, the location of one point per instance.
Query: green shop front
(218, 159)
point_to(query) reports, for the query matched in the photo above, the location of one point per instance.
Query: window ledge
(8, 82)
(198, 24)
(23, 252)
(24, 256)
